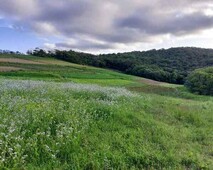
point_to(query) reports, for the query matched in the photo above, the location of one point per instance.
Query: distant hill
(168, 65)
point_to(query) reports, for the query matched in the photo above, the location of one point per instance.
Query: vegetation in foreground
(58, 124)
(73, 126)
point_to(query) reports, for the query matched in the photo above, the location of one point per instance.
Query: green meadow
(59, 115)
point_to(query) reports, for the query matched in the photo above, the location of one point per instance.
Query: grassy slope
(56, 70)
(163, 126)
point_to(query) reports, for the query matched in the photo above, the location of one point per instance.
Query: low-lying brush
(200, 81)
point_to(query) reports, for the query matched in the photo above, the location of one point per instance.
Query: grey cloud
(84, 45)
(176, 25)
(111, 22)
(61, 11)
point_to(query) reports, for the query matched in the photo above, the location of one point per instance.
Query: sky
(105, 26)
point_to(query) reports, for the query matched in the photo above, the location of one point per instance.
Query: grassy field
(35, 68)
(57, 115)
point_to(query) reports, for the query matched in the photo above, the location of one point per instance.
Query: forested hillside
(171, 65)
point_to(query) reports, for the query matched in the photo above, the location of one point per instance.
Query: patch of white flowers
(41, 85)
(111, 91)
(40, 120)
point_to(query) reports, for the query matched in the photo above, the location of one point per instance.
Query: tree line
(9, 52)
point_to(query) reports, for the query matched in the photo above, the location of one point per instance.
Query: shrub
(201, 81)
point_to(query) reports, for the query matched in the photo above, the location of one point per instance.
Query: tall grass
(46, 125)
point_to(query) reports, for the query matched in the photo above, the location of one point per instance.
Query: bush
(201, 81)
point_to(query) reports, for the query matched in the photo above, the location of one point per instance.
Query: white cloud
(45, 28)
(49, 46)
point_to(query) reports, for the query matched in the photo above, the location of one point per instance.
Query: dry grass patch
(6, 69)
(18, 60)
(55, 62)
(150, 82)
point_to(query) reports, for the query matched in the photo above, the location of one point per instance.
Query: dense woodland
(171, 65)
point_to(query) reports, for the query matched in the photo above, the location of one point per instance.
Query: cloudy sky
(105, 26)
